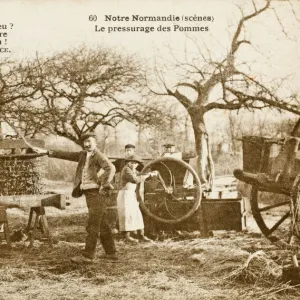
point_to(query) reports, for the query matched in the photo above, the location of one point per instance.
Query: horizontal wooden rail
(26, 201)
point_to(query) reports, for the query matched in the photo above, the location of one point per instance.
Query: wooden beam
(26, 201)
(11, 144)
(262, 182)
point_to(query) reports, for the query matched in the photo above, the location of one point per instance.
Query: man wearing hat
(130, 216)
(95, 188)
(129, 150)
(120, 163)
(169, 151)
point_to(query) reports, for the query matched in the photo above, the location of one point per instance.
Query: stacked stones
(21, 174)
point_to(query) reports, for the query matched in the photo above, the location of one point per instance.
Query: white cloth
(188, 180)
(130, 216)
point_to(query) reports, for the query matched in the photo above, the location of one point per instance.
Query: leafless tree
(18, 83)
(152, 115)
(79, 90)
(203, 75)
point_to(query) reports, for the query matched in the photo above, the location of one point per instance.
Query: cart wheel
(174, 195)
(278, 220)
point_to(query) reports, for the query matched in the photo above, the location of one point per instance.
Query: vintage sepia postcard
(149, 149)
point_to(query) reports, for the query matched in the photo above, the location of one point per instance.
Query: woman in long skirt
(129, 213)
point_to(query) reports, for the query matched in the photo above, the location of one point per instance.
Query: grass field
(229, 265)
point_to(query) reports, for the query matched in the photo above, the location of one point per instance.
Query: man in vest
(95, 188)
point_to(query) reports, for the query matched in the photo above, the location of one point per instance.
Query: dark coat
(129, 175)
(97, 162)
(120, 164)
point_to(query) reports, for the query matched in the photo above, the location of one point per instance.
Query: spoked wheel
(174, 194)
(279, 219)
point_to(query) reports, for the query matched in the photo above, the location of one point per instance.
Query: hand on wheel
(153, 173)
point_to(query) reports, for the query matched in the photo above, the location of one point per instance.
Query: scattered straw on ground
(228, 266)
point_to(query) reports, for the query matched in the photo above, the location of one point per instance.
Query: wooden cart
(272, 168)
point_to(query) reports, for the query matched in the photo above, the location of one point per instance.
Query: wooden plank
(225, 190)
(19, 143)
(226, 214)
(222, 195)
(56, 200)
(18, 154)
(262, 182)
(226, 185)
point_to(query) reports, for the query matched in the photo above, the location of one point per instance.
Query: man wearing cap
(169, 151)
(95, 187)
(120, 163)
(129, 150)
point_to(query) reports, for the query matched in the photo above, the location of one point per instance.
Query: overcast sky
(48, 25)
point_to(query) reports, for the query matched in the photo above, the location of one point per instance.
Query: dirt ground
(229, 265)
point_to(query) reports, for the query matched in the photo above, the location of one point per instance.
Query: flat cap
(169, 145)
(129, 146)
(87, 135)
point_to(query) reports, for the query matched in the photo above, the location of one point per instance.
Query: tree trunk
(205, 165)
(172, 131)
(140, 131)
(186, 132)
(296, 129)
(104, 139)
(116, 137)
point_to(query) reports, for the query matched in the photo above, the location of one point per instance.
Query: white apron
(130, 216)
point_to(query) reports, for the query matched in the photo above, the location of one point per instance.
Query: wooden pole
(26, 201)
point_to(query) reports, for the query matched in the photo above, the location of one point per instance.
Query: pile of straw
(257, 267)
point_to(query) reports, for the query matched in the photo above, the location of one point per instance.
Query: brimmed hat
(168, 145)
(87, 135)
(134, 158)
(129, 146)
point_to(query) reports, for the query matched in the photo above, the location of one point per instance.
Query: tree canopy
(77, 90)
(200, 75)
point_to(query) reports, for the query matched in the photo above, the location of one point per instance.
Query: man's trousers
(97, 224)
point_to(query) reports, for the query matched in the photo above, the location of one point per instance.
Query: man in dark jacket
(93, 180)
